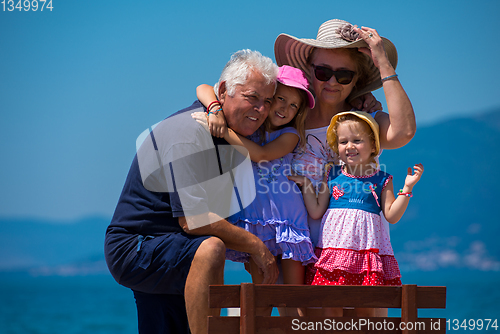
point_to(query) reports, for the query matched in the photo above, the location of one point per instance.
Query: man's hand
(267, 265)
(238, 239)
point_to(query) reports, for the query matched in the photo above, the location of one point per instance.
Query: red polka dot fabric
(349, 267)
(340, 277)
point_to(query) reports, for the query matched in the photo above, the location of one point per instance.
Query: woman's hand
(375, 46)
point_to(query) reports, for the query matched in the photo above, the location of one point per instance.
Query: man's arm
(235, 238)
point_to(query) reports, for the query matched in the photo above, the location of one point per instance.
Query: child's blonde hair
(359, 117)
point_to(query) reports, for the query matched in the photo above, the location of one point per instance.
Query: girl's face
(331, 92)
(287, 102)
(354, 143)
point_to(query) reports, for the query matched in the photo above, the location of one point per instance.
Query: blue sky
(80, 83)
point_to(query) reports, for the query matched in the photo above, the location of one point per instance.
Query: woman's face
(331, 92)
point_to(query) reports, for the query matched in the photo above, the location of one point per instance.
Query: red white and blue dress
(354, 246)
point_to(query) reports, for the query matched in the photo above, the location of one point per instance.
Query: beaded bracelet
(212, 103)
(215, 112)
(410, 194)
(389, 77)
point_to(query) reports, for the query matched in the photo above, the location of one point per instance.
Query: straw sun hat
(333, 34)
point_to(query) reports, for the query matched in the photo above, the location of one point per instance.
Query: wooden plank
(431, 297)
(249, 296)
(409, 311)
(385, 325)
(227, 325)
(221, 296)
(316, 324)
(336, 296)
(285, 325)
(247, 308)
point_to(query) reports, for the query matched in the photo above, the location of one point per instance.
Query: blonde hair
(333, 138)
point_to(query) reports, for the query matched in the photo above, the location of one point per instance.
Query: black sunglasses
(343, 77)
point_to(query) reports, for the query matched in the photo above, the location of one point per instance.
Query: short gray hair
(239, 67)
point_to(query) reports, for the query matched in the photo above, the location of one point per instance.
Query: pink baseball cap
(293, 77)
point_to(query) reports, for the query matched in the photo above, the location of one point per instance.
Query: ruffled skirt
(350, 267)
(281, 238)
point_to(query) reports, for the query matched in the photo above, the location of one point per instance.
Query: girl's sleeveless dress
(278, 215)
(354, 246)
(310, 161)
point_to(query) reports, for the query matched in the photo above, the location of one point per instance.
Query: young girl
(277, 215)
(354, 246)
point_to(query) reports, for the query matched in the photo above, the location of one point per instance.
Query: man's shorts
(162, 263)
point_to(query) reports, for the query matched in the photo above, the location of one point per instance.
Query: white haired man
(168, 236)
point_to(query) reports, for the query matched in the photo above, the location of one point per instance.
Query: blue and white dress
(278, 215)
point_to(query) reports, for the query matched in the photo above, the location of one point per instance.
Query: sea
(96, 304)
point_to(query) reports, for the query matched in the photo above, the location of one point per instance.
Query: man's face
(248, 108)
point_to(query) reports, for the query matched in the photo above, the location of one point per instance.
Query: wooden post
(409, 311)
(247, 309)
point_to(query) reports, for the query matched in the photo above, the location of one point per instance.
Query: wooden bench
(248, 296)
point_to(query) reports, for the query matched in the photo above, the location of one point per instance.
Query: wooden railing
(248, 297)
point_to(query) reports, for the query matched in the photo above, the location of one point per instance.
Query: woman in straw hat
(343, 63)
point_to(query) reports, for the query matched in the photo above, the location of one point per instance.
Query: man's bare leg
(207, 268)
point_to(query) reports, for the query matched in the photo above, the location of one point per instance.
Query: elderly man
(168, 236)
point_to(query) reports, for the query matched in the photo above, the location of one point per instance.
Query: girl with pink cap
(277, 215)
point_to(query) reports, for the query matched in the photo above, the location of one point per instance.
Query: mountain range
(449, 224)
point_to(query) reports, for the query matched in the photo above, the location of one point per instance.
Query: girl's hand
(201, 118)
(299, 179)
(412, 178)
(303, 182)
(217, 124)
(367, 103)
(375, 45)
